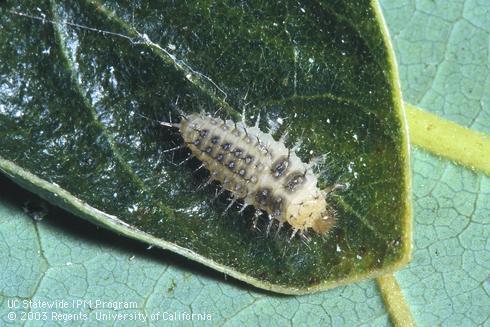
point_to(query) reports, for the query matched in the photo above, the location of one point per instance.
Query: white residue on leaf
(18, 113)
(349, 167)
(133, 208)
(112, 77)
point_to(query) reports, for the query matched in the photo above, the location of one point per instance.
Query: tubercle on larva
(262, 172)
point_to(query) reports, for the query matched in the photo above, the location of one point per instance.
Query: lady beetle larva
(262, 172)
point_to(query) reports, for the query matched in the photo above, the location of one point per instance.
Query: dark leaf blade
(74, 100)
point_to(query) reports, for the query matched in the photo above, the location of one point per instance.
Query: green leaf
(442, 53)
(62, 257)
(445, 284)
(73, 127)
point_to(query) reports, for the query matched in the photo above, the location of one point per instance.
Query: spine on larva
(263, 172)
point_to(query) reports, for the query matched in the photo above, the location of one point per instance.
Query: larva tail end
(323, 225)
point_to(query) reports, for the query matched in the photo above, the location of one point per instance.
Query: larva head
(312, 212)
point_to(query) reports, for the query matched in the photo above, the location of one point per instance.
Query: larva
(262, 172)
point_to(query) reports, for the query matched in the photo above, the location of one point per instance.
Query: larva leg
(271, 221)
(161, 123)
(293, 234)
(209, 181)
(335, 187)
(256, 218)
(304, 237)
(232, 202)
(279, 227)
(185, 160)
(244, 206)
(174, 149)
(198, 168)
(284, 137)
(218, 193)
(243, 117)
(305, 242)
(257, 121)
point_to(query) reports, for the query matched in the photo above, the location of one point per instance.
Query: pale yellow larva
(262, 172)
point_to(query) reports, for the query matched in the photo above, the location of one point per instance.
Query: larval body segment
(261, 171)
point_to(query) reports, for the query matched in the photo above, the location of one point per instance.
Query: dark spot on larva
(279, 167)
(231, 165)
(240, 190)
(276, 205)
(294, 181)
(203, 132)
(197, 142)
(237, 152)
(262, 197)
(209, 149)
(241, 172)
(226, 146)
(215, 139)
(248, 159)
(220, 157)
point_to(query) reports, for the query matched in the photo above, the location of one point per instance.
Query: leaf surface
(75, 100)
(445, 284)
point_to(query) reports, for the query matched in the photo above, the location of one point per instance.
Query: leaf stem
(394, 301)
(448, 139)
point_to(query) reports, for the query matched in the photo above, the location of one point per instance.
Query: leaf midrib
(93, 114)
(185, 68)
